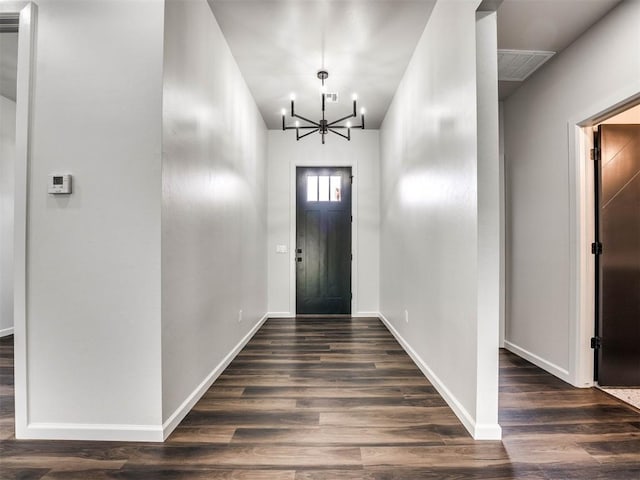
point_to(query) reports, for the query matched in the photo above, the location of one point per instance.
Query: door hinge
(352, 256)
(351, 178)
(351, 218)
(596, 248)
(596, 343)
(595, 154)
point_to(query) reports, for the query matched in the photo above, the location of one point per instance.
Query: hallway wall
(599, 70)
(7, 161)
(93, 257)
(214, 214)
(362, 153)
(429, 218)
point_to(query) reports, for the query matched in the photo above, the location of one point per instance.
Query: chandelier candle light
(323, 126)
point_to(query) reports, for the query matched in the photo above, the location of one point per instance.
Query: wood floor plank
(244, 404)
(174, 474)
(341, 392)
(206, 434)
(386, 418)
(481, 454)
(398, 403)
(339, 435)
(262, 456)
(251, 419)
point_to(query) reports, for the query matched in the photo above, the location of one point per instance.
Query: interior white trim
(176, 417)
(26, 56)
(582, 274)
(5, 332)
(280, 315)
(477, 431)
(503, 228)
(366, 315)
(539, 361)
(93, 432)
(292, 227)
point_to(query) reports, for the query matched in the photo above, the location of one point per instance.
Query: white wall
(489, 220)
(93, 289)
(7, 160)
(600, 69)
(214, 212)
(362, 154)
(429, 216)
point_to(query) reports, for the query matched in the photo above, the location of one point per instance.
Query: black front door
(618, 264)
(323, 240)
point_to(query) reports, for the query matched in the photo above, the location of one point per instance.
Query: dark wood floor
(339, 399)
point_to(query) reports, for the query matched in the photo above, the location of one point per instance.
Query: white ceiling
(366, 45)
(549, 25)
(281, 44)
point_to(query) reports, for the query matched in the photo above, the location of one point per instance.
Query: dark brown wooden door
(618, 209)
(323, 236)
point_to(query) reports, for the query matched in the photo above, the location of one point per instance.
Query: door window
(324, 188)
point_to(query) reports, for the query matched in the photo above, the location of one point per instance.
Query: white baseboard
(550, 367)
(487, 432)
(280, 315)
(477, 431)
(353, 315)
(98, 432)
(5, 332)
(176, 417)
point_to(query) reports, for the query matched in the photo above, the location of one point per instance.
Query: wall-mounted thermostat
(60, 183)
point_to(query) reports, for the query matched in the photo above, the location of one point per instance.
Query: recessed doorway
(323, 240)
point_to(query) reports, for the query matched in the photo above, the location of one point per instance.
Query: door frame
(299, 185)
(293, 231)
(27, 12)
(581, 230)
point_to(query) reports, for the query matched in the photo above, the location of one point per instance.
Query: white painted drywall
(214, 214)
(503, 228)
(362, 154)
(489, 217)
(595, 72)
(7, 160)
(429, 215)
(93, 257)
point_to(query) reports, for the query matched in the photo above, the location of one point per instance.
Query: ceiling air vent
(331, 97)
(516, 65)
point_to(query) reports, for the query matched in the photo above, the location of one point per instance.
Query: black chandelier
(323, 126)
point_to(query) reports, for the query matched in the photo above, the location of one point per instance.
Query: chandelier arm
(306, 120)
(298, 137)
(340, 120)
(348, 136)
